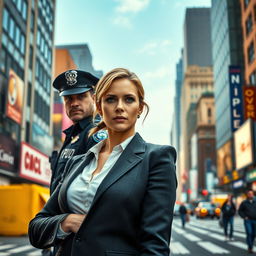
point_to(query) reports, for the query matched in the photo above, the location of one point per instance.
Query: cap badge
(71, 76)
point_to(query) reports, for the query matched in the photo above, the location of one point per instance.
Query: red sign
(34, 165)
(15, 97)
(250, 102)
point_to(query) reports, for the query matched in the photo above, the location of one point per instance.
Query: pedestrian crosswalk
(200, 238)
(205, 237)
(7, 249)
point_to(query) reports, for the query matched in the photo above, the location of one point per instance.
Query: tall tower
(26, 62)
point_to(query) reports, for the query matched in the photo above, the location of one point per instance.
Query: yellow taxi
(207, 209)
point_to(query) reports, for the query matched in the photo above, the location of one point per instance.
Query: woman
(228, 211)
(118, 198)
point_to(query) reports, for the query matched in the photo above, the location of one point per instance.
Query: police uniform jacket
(131, 213)
(76, 142)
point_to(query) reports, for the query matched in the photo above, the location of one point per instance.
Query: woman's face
(120, 107)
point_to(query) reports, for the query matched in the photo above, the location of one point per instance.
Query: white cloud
(122, 21)
(149, 48)
(159, 73)
(133, 6)
(154, 47)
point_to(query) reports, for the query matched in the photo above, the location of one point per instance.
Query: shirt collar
(120, 147)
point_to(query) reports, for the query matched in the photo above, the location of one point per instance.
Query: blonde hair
(104, 84)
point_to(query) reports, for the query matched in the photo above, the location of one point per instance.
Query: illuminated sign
(14, 97)
(243, 145)
(236, 103)
(34, 165)
(224, 160)
(238, 183)
(249, 102)
(251, 176)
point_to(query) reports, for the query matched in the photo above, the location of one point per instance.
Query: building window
(3, 60)
(22, 44)
(11, 29)
(250, 53)
(249, 24)
(29, 94)
(6, 17)
(32, 21)
(31, 57)
(27, 132)
(17, 37)
(24, 10)
(209, 112)
(246, 3)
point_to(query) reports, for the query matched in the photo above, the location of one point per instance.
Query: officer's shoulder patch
(100, 135)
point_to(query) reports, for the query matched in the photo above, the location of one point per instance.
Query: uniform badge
(74, 139)
(71, 76)
(100, 135)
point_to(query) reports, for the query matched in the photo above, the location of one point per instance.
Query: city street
(205, 237)
(200, 238)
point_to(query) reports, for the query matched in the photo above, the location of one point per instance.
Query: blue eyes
(114, 99)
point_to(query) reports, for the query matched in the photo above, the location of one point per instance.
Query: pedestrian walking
(183, 214)
(118, 198)
(228, 210)
(247, 211)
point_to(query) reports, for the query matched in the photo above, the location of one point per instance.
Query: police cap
(74, 82)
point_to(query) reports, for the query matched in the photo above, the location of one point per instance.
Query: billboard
(224, 160)
(14, 97)
(243, 140)
(34, 165)
(8, 156)
(236, 101)
(249, 102)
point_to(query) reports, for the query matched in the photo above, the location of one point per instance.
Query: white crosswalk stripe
(178, 248)
(192, 238)
(213, 248)
(239, 244)
(6, 246)
(35, 253)
(21, 249)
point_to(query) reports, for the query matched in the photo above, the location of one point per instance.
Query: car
(207, 209)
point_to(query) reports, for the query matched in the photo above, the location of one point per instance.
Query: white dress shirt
(82, 190)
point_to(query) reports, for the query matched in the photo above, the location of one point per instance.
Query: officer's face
(120, 107)
(79, 106)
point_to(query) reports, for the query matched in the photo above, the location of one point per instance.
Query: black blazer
(132, 210)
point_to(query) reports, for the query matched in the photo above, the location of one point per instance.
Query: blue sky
(145, 36)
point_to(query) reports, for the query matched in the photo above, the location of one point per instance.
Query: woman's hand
(72, 223)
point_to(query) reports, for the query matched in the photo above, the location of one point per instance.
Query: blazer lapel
(128, 159)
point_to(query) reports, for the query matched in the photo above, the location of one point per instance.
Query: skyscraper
(26, 57)
(197, 38)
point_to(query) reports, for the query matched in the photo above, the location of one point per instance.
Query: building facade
(197, 38)
(63, 62)
(197, 81)
(26, 64)
(228, 64)
(82, 57)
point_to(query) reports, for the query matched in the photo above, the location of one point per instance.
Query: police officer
(76, 87)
